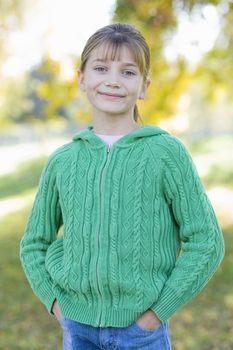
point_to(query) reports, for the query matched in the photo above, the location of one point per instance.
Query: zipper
(97, 268)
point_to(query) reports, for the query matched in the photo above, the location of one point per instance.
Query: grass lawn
(206, 323)
(25, 323)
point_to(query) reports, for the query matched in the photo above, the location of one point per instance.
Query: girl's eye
(100, 69)
(129, 73)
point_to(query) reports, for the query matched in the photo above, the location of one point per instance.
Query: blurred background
(191, 96)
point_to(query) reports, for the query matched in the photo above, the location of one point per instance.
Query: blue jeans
(79, 336)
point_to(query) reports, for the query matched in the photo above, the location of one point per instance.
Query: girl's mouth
(111, 96)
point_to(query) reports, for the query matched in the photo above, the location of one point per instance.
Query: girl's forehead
(113, 53)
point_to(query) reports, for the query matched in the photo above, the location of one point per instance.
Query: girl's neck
(112, 124)
(114, 128)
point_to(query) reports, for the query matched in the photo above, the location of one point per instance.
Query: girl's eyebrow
(124, 63)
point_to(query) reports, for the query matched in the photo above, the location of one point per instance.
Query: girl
(140, 236)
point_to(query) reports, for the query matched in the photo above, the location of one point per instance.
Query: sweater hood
(126, 140)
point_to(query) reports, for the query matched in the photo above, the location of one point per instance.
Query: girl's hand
(148, 320)
(56, 310)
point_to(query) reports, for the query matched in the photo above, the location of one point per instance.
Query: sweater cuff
(47, 296)
(167, 304)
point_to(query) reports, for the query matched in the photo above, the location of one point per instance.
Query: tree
(11, 18)
(216, 68)
(157, 20)
(48, 95)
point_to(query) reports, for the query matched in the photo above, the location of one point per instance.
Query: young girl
(140, 236)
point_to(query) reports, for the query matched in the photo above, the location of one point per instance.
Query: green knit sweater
(138, 229)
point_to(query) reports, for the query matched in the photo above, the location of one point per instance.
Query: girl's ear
(144, 89)
(81, 82)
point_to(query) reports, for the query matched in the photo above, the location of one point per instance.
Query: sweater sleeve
(42, 226)
(202, 244)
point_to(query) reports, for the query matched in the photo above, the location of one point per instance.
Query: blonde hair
(112, 37)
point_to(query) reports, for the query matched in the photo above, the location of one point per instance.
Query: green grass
(219, 175)
(23, 179)
(25, 323)
(211, 144)
(203, 324)
(206, 322)
(217, 154)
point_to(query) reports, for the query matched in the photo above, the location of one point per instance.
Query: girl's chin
(110, 111)
(110, 107)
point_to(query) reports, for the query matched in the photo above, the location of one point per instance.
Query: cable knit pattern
(139, 231)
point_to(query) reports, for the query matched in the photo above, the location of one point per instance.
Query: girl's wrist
(153, 314)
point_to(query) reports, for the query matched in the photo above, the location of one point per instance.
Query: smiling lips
(107, 94)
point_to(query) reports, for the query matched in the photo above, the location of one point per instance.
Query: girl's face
(112, 87)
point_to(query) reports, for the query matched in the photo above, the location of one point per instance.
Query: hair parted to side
(112, 37)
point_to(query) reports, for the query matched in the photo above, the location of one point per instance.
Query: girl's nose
(112, 83)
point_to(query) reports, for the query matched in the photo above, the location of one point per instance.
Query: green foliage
(11, 9)
(12, 92)
(50, 96)
(216, 67)
(43, 94)
(156, 15)
(155, 19)
(11, 17)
